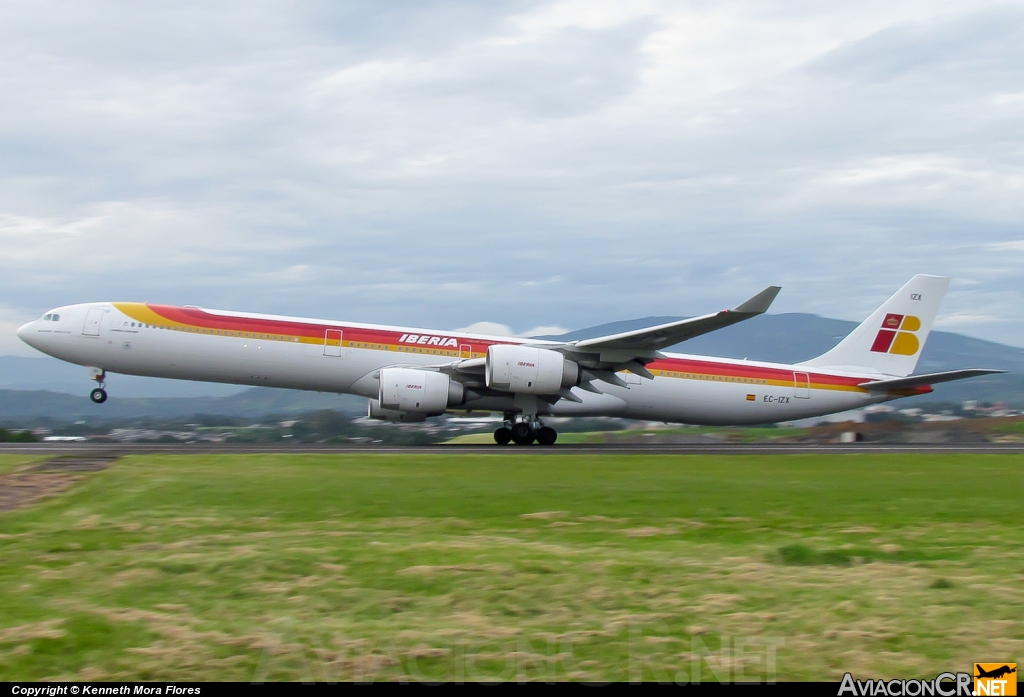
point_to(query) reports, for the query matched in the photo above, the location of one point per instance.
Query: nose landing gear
(99, 395)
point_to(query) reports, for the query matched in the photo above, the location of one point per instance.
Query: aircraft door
(92, 322)
(332, 342)
(802, 385)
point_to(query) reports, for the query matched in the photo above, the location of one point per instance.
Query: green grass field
(9, 462)
(512, 566)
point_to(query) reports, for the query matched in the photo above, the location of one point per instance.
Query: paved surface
(94, 449)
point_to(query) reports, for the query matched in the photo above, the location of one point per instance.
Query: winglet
(760, 302)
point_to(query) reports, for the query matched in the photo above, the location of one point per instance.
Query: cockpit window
(46, 318)
(55, 318)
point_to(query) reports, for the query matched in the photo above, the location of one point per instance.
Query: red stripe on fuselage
(196, 317)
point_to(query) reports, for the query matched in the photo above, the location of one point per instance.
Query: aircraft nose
(25, 332)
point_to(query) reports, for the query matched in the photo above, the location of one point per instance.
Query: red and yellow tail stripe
(703, 369)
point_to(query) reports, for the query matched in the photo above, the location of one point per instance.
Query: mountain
(46, 373)
(18, 406)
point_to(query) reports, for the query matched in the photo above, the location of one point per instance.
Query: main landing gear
(99, 395)
(525, 433)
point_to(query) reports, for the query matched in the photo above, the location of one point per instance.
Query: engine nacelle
(530, 370)
(417, 391)
(405, 417)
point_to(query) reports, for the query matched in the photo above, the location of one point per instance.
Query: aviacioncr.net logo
(943, 685)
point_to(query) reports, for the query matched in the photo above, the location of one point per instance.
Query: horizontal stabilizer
(930, 379)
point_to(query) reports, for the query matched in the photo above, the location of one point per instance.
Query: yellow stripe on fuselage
(140, 312)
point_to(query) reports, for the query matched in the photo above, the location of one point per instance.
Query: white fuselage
(326, 356)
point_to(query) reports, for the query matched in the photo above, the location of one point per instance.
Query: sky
(530, 164)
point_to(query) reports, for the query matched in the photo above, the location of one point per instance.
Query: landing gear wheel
(522, 434)
(99, 395)
(546, 435)
(503, 435)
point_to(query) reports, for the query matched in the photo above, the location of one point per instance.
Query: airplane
(411, 374)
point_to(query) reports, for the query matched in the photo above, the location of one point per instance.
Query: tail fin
(889, 342)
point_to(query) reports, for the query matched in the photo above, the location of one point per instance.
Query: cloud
(538, 163)
(499, 329)
(1008, 246)
(493, 328)
(552, 330)
(10, 344)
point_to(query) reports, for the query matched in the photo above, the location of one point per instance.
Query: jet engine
(406, 417)
(530, 370)
(416, 391)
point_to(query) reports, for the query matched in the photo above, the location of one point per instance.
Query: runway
(118, 449)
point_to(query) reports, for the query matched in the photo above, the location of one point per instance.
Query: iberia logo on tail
(897, 335)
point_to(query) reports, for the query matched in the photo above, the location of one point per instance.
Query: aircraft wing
(929, 379)
(662, 335)
(602, 357)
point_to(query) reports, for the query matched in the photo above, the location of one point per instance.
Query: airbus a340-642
(412, 374)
